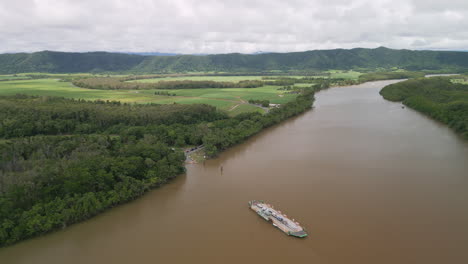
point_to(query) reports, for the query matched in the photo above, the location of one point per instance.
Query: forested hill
(67, 62)
(62, 62)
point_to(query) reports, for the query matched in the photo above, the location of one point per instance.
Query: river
(371, 181)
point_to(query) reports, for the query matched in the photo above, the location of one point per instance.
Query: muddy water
(372, 183)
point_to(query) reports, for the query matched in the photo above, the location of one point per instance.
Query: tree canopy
(436, 97)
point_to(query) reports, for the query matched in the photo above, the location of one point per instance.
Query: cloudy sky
(222, 26)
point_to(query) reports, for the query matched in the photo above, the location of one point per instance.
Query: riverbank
(436, 97)
(104, 171)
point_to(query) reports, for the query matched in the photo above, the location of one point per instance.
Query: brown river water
(371, 182)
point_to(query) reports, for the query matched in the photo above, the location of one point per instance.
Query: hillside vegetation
(61, 62)
(67, 62)
(436, 97)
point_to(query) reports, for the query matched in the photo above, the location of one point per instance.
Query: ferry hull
(279, 220)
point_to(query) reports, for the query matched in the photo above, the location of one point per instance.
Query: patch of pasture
(352, 75)
(221, 104)
(236, 94)
(202, 78)
(223, 98)
(461, 80)
(245, 108)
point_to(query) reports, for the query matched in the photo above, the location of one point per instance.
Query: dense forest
(436, 97)
(51, 182)
(67, 62)
(61, 62)
(28, 116)
(63, 161)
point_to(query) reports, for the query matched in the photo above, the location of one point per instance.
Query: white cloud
(220, 26)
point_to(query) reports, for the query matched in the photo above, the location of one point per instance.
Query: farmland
(229, 93)
(233, 99)
(460, 79)
(353, 75)
(222, 98)
(202, 78)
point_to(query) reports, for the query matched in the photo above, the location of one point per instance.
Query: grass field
(224, 99)
(333, 74)
(233, 94)
(460, 80)
(353, 75)
(53, 87)
(233, 100)
(243, 108)
(202, 78)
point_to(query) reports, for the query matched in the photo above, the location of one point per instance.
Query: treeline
(436, 97)
(164, 93)
(327, 82)
(289, 80)
(376, 76)
(28, 116)
(266, 75)
(13, 78)
(264, 103)
(114, 83)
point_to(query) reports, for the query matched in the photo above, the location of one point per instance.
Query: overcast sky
(223, 26)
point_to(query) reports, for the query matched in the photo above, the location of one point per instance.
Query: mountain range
(315, 60)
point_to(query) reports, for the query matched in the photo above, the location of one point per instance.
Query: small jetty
(278, 219)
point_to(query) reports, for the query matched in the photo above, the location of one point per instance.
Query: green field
(233, 94)
(243, 108)
(463, 80)
(224, 99)
(233, 100)
(53, 87)
(353, 75)
(202, 78)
